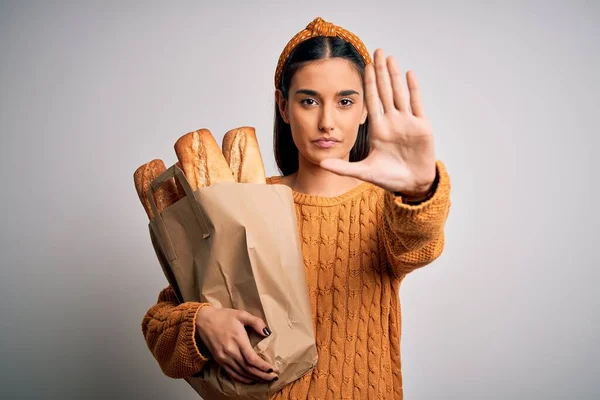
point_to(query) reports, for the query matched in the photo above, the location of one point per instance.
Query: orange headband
(319, 27)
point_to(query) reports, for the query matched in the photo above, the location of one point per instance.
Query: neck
(316, 181)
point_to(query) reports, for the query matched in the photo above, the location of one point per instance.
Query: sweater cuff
(198, 357)
(440, 195)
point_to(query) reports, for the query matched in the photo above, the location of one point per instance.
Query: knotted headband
(319, 27)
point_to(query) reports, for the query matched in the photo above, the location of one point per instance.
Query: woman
(371, 202)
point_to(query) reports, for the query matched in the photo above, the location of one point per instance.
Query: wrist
(418, 196)
(204, 322)
(201, 316)
(412, 200)
(199, 331)
(202, 349)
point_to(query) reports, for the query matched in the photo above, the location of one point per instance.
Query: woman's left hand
(402, 155)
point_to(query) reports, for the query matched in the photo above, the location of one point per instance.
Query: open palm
(402, 156)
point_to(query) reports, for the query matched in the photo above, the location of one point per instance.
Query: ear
(282, 105)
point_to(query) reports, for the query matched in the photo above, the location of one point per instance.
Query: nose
(326, 120)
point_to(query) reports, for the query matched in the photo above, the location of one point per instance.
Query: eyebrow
(310, 92)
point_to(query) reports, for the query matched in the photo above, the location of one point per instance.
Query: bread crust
(166, 195)
(242, 153)
(201, 159)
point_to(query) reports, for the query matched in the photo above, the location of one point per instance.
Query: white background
(91, 90)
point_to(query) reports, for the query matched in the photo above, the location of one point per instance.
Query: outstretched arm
(402, 161)
(413, 235)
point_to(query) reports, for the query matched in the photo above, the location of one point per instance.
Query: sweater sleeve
(169, 328)
(413, 235)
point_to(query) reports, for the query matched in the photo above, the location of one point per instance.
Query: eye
(304, 102)
(348, 102)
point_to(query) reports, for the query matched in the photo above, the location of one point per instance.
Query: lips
(326, 142)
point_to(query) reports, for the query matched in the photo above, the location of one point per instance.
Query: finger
(243, 369)
(371, 95)
(235, 362)
(416, 103)
(254, 322)
(341, 167)
(232, 358)
(235, 375)
(397, 84)
(255, 365)
(246, 370)
(384, 84)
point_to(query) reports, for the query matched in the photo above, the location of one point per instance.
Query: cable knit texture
(357, 249)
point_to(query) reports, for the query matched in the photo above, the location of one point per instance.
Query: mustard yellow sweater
(357, 249)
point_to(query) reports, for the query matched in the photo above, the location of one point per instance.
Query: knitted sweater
(357, 248)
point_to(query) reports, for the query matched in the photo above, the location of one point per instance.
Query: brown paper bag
(236, 245)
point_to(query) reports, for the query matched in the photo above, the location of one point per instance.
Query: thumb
(341, 167)
(254, 322)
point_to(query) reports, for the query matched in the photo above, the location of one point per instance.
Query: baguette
(242, 153)
(201, 159)
(164, 196)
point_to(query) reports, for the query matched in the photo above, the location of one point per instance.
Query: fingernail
(266, 331)
(275, 379)
(270, 370)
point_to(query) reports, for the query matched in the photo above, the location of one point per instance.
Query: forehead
(330, 74)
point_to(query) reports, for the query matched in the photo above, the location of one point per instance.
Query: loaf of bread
(201, 159)
(164, 196)
(242, 153)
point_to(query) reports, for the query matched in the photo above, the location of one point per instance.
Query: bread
(242, 153)
(201, 159)
(164, 196)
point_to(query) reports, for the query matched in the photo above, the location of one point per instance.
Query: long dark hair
(316, 48)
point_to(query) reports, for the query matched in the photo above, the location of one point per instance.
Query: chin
(315, 157)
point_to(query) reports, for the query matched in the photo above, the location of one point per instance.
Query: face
(324, 108)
